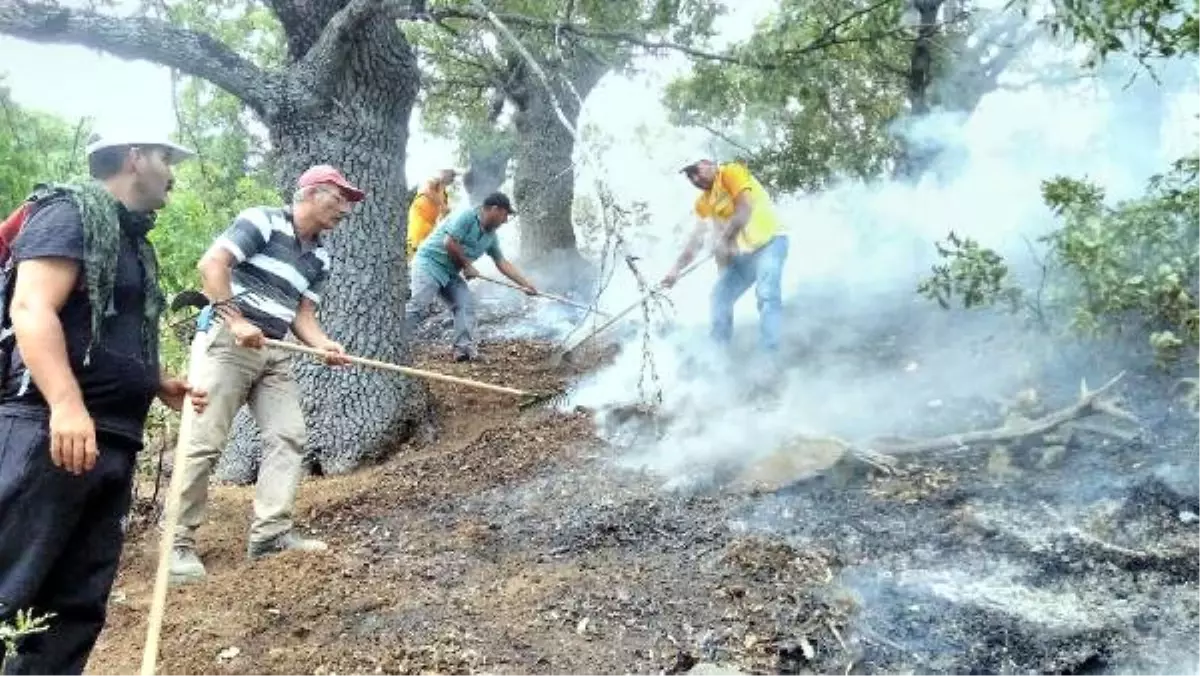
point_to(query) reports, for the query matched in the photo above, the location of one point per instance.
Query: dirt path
(512, 544)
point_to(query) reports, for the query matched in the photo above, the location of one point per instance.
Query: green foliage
(1144, 29)
(1133, 266)
(469, 69)
(810, 106)
(976, 274)
(36, 147)
(1137, 259)
(24, 624)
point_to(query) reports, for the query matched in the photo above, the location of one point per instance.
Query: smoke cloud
(862, 350)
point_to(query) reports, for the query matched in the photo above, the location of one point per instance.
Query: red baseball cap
(324, 173)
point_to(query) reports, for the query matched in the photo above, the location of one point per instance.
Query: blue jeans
(762, 269)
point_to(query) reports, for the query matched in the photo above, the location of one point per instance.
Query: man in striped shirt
(274, 265)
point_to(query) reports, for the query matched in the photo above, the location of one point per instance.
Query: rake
(569, 353)
(193, 298)
(543, 294)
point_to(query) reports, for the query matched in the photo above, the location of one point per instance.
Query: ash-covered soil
(527, 543)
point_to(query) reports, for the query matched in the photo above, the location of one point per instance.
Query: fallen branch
(805, 456)
(1089, 403)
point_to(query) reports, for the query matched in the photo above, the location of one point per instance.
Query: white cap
(175, 152)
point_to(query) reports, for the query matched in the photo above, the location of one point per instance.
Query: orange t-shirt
(429, 206)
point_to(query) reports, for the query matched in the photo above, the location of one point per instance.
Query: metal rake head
(552, 399)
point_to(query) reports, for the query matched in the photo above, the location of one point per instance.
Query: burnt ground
(523, 543)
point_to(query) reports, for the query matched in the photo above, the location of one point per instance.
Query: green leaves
(469, 69)
(1133, 266)
(36, 147)
(1145, 29)
(825, 80)
(976, 274)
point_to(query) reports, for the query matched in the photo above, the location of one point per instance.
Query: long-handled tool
(192, 298)
(543, 294)
(568, 353)
(171, 517)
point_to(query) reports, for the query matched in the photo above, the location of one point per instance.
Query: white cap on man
(175, 152)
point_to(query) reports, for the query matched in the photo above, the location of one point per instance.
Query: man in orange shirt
(431, 205)
(735, 215)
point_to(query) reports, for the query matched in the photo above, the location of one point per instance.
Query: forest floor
(517, 543)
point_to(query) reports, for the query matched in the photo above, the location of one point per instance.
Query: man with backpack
(84, 308)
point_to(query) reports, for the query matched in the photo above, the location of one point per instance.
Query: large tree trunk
(487, 164)
(354, 414)
(544, 180)
(917, 154)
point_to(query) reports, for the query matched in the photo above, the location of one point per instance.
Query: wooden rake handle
(543, 294)
(396, 368)
(158, 601)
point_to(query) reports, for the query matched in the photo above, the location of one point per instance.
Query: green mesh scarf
(100, 213)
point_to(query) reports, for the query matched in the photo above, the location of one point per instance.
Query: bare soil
(511, 543)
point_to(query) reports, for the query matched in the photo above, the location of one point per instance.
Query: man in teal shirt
(451, 248)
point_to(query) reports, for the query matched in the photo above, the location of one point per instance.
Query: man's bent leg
(730, 286)
(77, 581)
(275, 403)
(768, 289)
(424, 292)
(226, 372)
(462, 302)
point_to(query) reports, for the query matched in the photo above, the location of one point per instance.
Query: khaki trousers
(260, 378)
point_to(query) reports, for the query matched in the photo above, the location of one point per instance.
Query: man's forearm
(512, 273)
(43, 347)
(741, 216)
(216, 280)
(309, 331)
(456, 253)
(689, 252)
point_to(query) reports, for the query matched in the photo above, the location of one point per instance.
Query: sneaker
(284, 542)
(185, 566)
(466, 355)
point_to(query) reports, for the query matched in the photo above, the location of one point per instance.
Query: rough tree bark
(544, 180)
(354, 415)
(345, 98)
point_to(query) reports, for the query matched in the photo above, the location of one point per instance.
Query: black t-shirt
(119, 383)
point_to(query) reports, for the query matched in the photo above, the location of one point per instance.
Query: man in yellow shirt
(736, 217)
(431, 205)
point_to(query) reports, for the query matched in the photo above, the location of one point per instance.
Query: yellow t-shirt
(427, 208)
(717, 203)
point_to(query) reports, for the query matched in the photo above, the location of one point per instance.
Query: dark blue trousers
(60, 542)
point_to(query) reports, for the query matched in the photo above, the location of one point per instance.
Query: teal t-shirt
(466, 229)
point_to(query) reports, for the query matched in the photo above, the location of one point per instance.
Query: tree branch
(141, 38)
(322, 63)
(828, 37)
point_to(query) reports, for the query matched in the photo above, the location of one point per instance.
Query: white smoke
(857, 253)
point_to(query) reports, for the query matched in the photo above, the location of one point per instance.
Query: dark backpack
(9, 230)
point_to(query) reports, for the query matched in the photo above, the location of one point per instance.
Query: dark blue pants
(60, 542)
